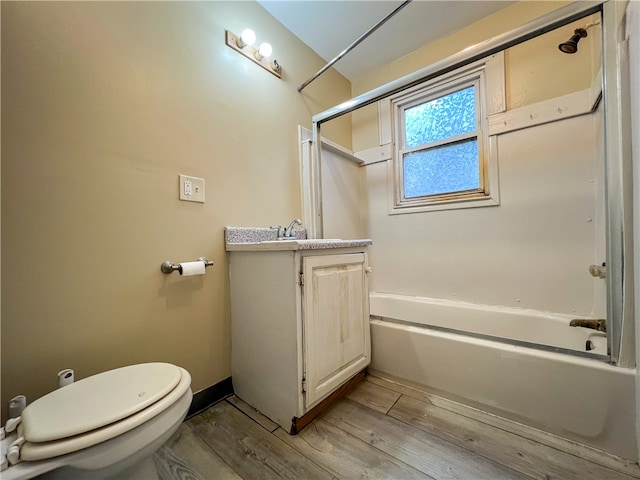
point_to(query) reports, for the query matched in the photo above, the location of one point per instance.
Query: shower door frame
(618, 190)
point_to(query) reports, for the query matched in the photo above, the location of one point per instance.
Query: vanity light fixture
(244, 44)
(247, 37)
(264, 51)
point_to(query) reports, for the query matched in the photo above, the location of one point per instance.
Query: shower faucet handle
(599, 271)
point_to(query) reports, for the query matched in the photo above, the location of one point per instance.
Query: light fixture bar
(250, 52)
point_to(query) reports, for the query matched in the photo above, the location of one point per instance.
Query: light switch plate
(191, 189)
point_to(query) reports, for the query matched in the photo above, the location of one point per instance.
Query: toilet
(105, 426)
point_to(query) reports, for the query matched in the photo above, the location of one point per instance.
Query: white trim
(384, 121)
(559, 108)
(340, 150)
(495, 83)
(375, 154)
(304, 135)
(306, 180)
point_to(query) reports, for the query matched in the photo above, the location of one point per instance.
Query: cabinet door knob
(368, 269)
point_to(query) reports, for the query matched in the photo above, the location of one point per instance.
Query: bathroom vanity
(299, 323)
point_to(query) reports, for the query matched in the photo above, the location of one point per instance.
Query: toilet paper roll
(188, 269)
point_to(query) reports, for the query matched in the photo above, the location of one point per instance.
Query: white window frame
(488, 76)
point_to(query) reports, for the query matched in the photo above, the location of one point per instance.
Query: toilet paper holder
(169, 267)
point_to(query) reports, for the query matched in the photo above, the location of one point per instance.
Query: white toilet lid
(96, 401)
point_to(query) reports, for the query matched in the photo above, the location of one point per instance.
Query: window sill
(452, 204)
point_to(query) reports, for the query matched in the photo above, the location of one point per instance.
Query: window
(442, 156)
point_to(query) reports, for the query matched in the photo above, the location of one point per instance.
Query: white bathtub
(583, 399)
(522, 325)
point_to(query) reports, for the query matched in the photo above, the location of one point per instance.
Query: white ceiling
(330, 26)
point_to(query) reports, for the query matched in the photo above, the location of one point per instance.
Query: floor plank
(249, 449)
(376, 397)
(345, 456)
(185, 456)
(521, 454)
(583, 451)
(381, 430)
(254, 414)
(423, 451)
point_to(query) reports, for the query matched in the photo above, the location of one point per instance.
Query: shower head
(571, 45)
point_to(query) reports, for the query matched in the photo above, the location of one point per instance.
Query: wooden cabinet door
(336, 338)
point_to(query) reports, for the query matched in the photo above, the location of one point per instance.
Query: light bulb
(264, 51)
(247, 37)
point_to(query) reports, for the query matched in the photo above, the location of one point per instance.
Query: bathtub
(519, 325)
(452, 349)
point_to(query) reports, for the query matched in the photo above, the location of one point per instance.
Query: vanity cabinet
(299, 327)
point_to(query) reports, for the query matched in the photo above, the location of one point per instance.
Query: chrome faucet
(288, 233)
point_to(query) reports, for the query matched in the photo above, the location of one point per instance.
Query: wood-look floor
(379, 430)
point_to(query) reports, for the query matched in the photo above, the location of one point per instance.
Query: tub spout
(599, 325)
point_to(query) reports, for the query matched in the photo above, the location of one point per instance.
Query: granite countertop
(265, 239)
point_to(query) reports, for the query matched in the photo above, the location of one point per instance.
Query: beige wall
(537, 70)
(103, 105)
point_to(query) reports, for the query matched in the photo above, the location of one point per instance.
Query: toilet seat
(98, 408)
